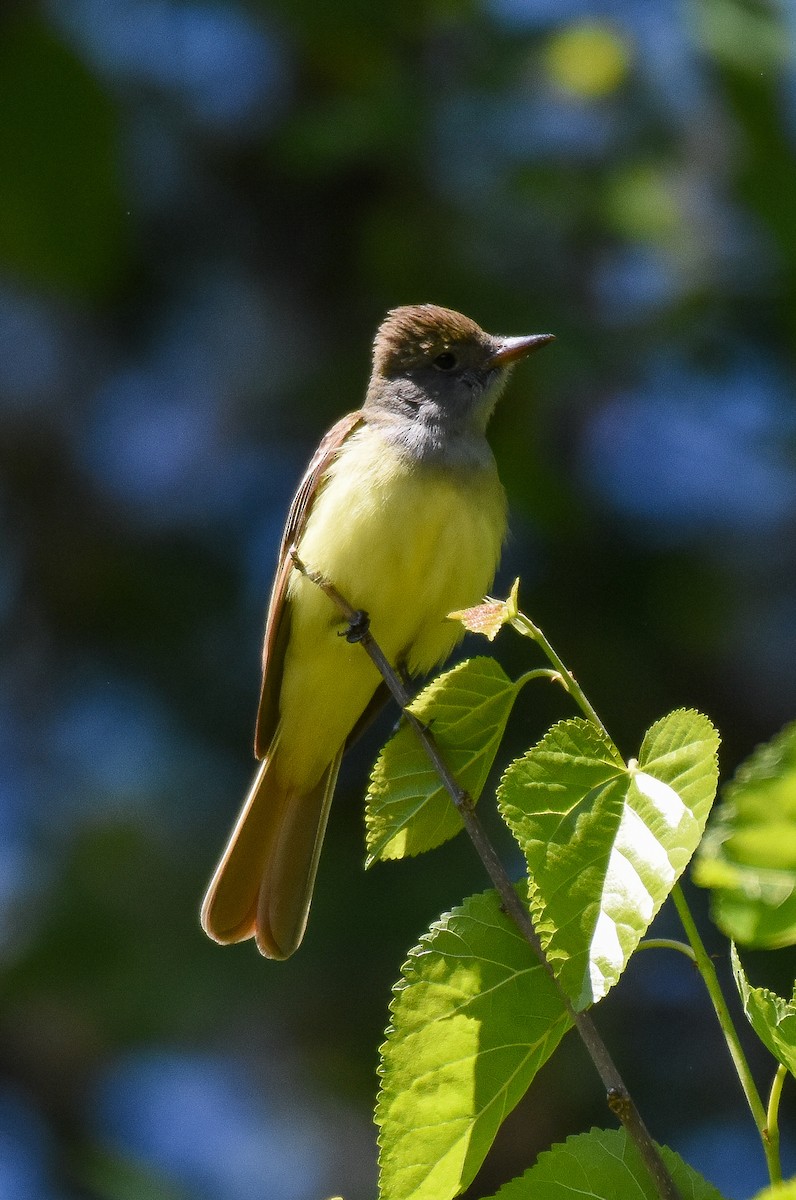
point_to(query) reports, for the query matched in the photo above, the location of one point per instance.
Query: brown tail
(263, 884)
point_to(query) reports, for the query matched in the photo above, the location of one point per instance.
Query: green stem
(772, 1118)
(711, 981)
(539, 673)
(667, 944)
(526, 627)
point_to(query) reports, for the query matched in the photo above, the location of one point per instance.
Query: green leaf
(408, 809)
(602, 1165)
(606, 843)
(772, 1018)
(473, 1019)
(779, 1191)
(748, 856)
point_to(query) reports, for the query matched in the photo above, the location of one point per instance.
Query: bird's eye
(445, 361)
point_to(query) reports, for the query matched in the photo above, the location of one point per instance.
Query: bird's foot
(358, 626)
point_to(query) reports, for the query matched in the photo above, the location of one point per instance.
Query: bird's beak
(511, 348)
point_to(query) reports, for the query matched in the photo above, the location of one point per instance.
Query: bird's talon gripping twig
(358, 626)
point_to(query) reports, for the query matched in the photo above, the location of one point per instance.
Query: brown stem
(618, 1098)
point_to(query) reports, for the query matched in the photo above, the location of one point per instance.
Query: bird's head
(436, 367)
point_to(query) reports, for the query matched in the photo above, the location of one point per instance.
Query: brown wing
(277, 624)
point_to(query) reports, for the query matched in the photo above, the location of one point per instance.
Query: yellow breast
(408, 543)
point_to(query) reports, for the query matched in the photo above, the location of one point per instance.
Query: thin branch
(619, 1099)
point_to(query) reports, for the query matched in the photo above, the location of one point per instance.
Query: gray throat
(420, 439)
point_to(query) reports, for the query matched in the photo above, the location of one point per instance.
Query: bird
(402, 510)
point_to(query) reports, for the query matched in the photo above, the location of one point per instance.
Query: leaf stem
(525, 626)
(619, 1099)
(710, 978)
(667, 944)
(538, 673)
(772, 1119)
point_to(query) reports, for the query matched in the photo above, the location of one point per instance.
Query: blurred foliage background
(206, 207)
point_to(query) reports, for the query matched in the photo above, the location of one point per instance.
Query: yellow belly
(406, 544)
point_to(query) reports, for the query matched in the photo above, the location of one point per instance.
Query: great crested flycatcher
(401, 509)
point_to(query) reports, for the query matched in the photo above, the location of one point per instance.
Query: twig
(618, 1098)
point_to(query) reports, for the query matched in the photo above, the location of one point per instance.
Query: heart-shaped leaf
(604, 842)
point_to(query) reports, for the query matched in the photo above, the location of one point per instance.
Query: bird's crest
(415, 330)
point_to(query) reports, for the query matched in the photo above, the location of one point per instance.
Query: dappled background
(205, 209)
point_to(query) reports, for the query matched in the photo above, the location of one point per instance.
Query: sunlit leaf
(408, 809)
(779, 1191)
(748, 856)
(772, 1018)
(602, 1165)
(473, 1019)
(606, 843)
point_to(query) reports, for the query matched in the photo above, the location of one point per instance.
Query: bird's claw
(358, 627)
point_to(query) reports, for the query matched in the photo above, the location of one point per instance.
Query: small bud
(513, 602)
